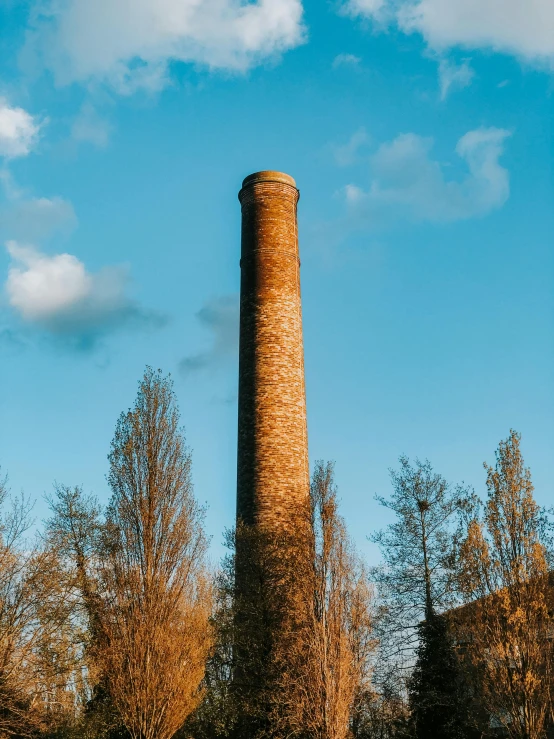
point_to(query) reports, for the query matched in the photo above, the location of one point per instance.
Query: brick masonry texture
(273, 473)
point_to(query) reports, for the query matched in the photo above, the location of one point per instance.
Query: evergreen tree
(439, 700)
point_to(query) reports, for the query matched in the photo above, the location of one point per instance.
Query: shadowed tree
(325, 667)
(381, 715)
(216, 716)
(439, 695)
(302, 630)
(75, 533)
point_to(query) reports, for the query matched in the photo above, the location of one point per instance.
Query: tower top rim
(269, 175)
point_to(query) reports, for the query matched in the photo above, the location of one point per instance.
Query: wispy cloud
(58, 296)
(90, 127)
(220, 317)
(346, 154)
(131, 46)
(454, 76)
(366, 8)
(346, 60)
(34, 219)
(19, 131)
(24, 217)
(407, 182)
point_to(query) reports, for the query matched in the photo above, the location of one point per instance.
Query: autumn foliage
(114, 626)
(505, 574)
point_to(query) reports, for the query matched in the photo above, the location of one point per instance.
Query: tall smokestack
(273, 472)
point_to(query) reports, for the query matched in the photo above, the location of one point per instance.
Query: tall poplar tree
(156, 605)
(505, 574)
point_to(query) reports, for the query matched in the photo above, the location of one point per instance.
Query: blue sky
(420, 136)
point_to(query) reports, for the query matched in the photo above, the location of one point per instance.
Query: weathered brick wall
(273, 473)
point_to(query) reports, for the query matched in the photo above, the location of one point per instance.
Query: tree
(418, 575)
(293, 648)
(507, 627)
(157, 594)
(325, 666)
(74, 533)
(381, 715)
(216, 715)
(32, 615)
(439, 698)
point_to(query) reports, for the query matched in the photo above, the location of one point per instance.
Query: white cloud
(57, 294)
(408, 182)
(524, 28)
(40, 287)
(220, 316)
(346, 60)
(90, 127)
(130, 45)
(19, 131)
(453, 76)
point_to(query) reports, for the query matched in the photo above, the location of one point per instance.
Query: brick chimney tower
(273, 473)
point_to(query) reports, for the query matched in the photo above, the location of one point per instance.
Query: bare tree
(381, 715)
(74, 536)
(154, 617)
(74, 532)
(508, 626)
(31, 617)
(418, 575)
(326, 668)
(216, 716)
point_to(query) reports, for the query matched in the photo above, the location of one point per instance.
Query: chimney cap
(269, 175)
